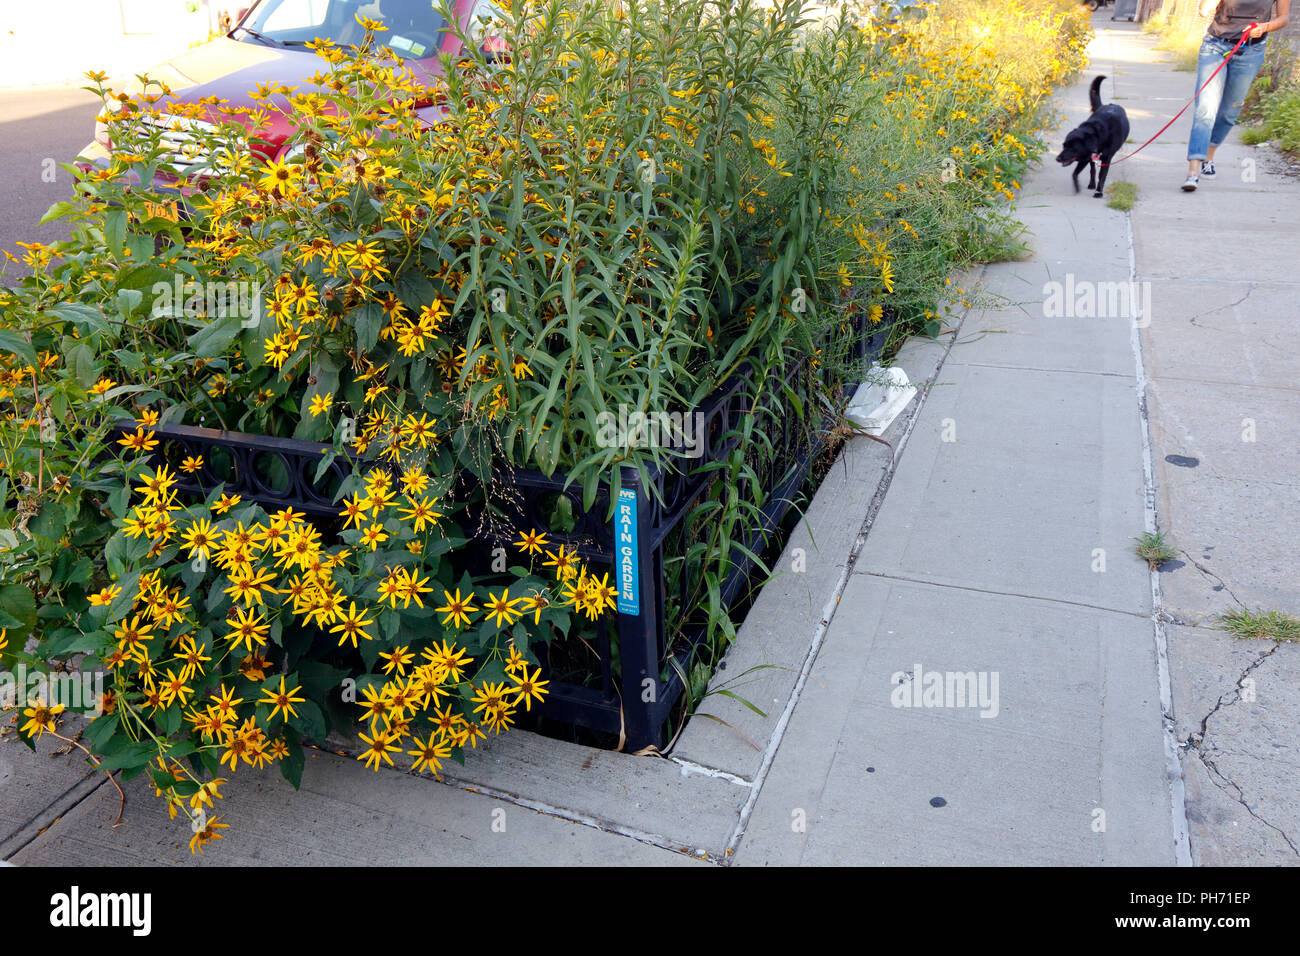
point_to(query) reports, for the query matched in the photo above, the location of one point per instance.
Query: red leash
(1226, 58)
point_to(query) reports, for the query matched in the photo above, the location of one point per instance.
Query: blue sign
(625, 553)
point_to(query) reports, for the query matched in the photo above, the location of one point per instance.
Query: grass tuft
(1122, 195)
(1152, 548)
(1254, 135)
(1260, 625)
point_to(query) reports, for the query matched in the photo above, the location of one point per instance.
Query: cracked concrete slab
(1223, 406)
(1225, 332)
(1238, 705)
(1242, 533)
(1225, 459)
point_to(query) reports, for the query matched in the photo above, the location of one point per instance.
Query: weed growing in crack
(1152, 548)
(1261, 625)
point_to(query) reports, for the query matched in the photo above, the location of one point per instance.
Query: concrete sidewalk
(993, 539)
(1224, 405)
(1004, 550)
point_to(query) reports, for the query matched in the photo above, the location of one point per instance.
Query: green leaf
(115, 231)
(99, 732)
(214, 338)
(130, 754)
(291, 765)
(18, 605)
(57, 211)
(13, 342)
(310, 722)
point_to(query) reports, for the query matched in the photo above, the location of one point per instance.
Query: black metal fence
(639, 679)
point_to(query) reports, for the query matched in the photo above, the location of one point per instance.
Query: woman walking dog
(1218, 105)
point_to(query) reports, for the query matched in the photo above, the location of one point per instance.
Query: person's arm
(1206, 8)
(1277, 23)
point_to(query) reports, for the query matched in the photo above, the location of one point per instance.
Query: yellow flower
(248, 627)
(320, 404)
(396, 660)
(457, 609)
(374, 535)
(40, 718)
(104, 596)
(352, 624)
(532, 542)
(379, 747)
(207, 834)
(140, 440)
(280, 176)
(530, 688)
(429, 754)
(281, 700)
(502, 608)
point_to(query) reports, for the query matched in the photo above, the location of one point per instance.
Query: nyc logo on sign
(625, 553)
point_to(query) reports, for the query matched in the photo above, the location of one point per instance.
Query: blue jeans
(1217, 107)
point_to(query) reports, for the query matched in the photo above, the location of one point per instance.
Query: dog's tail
(1094, 93)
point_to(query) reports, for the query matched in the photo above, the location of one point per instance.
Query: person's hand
(1254, 30)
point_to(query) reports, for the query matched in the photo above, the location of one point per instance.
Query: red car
(269, 47)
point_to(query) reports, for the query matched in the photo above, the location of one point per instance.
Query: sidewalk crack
(1196, 742)
(1210, 574)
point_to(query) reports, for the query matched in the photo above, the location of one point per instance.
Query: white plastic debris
(880, 399)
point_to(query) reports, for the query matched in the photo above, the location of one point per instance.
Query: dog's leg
(1092, 174)
(1101, 181)
(1077, 170)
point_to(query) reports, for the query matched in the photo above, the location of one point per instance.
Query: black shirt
(1231, 17)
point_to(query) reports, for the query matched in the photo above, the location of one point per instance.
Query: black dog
(1096, 140)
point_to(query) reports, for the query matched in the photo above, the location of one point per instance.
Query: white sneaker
(1207, 169)
(1189, 184)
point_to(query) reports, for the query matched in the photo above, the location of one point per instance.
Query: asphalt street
(38, 130)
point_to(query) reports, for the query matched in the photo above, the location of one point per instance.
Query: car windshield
(415, 30)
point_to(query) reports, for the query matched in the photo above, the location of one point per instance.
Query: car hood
(231, 69)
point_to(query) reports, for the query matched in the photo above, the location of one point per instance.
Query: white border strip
(1173, 766)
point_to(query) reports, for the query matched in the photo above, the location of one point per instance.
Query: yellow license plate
(163, 210)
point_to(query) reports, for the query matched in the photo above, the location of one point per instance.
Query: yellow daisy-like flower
(104, 596)
(247, 628)
(532, 542)
(430, 753)
(457, 609)
(502, 608)
(396, 660)
(378, 748)
(351, 625)
(529, 688)
(40, 718)
(281, 700)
